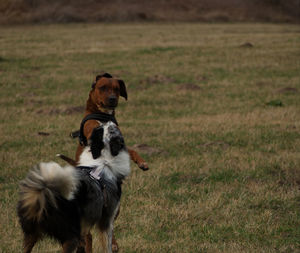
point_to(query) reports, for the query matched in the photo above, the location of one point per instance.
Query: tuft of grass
(224, 167)
(275, 103)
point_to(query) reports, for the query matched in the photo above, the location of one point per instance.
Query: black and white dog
(66, 202)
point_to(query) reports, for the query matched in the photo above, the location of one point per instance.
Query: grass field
(220, 118)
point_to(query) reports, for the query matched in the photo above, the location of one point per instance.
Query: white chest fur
(118, 165)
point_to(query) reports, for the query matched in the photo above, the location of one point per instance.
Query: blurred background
(64, 11)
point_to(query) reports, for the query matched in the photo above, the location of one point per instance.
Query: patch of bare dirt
(188, 87)
(145, 149)
(97, 72)
(57, 111)
(25, 76)
(202, 78)
(35, 68)
(115, 74)
(213, 144)
(287, 90)
(34, 102)
(43, 133)
(157, 79)
(74, 109)
(193, 179)
(246, 45)
(263, 84)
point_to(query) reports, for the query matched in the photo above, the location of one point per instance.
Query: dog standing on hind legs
(65, 203)
(100, 107)
(102, 101)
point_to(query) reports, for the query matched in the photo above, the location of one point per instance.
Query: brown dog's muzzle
(112, 101)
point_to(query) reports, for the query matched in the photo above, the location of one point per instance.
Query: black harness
(104, 184)
(101, 116)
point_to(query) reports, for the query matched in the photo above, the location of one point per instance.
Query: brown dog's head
(105, 93)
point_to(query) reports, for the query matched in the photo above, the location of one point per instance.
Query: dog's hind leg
(106, 238)
(114, 245)
(29, 242)
(70, 246)
(82, 245)
(88, 243)
(103, 241)
(109, 238)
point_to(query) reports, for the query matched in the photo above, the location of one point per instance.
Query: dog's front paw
(143, 166)
(115, 246)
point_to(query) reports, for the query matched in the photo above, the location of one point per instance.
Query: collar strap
(100, 116)
(87, 168)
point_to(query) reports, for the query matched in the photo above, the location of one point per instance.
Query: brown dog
(103, 98)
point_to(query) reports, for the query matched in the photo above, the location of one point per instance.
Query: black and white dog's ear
(97, 142)
(123, 91)
(116, 144)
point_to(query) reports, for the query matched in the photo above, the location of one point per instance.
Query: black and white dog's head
(106, 135)
(106, 146)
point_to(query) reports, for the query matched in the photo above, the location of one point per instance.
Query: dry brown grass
(225, 177)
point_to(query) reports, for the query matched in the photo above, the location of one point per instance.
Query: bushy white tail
(44, 183)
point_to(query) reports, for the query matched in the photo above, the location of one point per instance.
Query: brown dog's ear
(107, 75)
(123, 92)
(99, 76)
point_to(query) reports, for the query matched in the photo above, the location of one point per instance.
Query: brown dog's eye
(102, 88)
(116, 90)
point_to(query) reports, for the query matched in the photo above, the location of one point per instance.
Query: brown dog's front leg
(134, 156)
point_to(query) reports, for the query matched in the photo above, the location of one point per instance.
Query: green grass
(227, 174)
